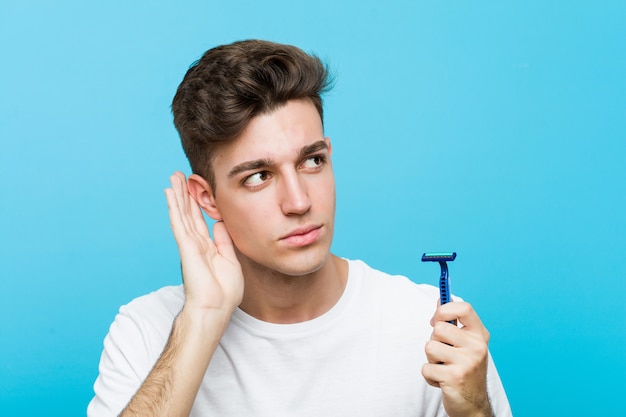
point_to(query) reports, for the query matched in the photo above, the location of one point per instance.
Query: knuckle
(458, 374)
(466, 309)
(482, 350)
(479, 352)
(439, 328)
(430, 348)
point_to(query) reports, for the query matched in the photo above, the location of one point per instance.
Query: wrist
(201, 319)
(473, 407)
(485, 410)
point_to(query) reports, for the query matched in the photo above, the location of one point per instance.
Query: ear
(330, 147)
(201, 191)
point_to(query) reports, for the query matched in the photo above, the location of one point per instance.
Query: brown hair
(231, 84)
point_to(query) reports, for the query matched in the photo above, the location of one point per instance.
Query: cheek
(246, 225)
(324, 192)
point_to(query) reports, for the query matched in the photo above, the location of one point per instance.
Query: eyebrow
(249, 166)
(265, 163)
(312, 148)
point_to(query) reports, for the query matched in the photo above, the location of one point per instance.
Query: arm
(457, 361)
(213, 284)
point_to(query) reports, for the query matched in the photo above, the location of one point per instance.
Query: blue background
(495, 129)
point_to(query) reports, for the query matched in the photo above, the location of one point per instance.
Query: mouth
(302, 236)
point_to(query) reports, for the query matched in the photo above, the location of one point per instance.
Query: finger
(471, 335)
(462, 311)
(179, 184)
(446, 332)
(184, 191)
(179, 216)
(224, 242)
(174, 213)
(439, 353)
(433, 374)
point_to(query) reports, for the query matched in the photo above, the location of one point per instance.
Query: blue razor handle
(444, 283)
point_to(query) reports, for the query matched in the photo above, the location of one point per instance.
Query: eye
(256, 179)
(314, 161)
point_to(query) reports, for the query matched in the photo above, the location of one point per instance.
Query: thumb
(224, 242)
(434, 317)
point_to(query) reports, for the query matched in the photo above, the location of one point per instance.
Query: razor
(444, 283)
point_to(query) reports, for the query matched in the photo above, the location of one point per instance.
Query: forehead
(278, 135)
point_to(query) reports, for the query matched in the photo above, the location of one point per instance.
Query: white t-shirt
(361, 358)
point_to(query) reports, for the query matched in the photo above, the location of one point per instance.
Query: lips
(302, 236)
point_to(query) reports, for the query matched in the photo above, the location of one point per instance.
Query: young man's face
(276, 191)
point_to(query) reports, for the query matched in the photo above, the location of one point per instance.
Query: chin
(293, 264)
(305, 267)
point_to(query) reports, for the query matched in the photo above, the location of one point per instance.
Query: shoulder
(392, 295)
(157, 308)
(148, 318)
(385, 283)
(400, 306)
(133, 344)
(167, 300)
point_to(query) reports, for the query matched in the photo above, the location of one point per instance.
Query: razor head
(439, 257)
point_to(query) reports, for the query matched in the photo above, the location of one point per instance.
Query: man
(268, 322)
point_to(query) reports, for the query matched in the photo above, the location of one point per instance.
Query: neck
(278, 298)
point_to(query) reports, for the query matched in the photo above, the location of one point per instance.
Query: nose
(295, 197)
